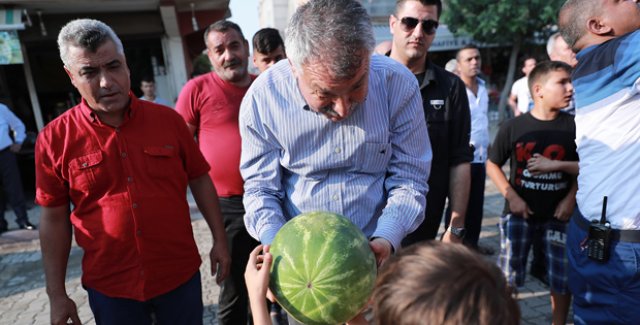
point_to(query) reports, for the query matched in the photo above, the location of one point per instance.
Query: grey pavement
(22, 289)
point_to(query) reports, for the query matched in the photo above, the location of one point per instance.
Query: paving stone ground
(23, 300)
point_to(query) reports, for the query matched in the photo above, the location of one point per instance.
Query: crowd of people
(377, 133)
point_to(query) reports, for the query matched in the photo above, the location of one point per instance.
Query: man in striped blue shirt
(607, 95)
(333, 128)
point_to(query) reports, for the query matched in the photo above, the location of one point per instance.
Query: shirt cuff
(267, 236)
(391, 232)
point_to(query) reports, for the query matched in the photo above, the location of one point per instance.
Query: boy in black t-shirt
(540, 192)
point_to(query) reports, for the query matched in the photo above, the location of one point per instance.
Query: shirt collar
(91, 115)
(429, 74)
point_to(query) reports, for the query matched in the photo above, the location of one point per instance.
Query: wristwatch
(458, 232)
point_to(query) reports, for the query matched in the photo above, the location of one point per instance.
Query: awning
(11, 19)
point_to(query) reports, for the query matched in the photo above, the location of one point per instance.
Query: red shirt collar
(91, 115)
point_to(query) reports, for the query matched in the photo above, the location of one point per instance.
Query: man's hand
(448, 237)
(565, 207)
(220, 261)
(15, 148)
(63, 309)
(518, 206)
(381, 249)
(539, 164)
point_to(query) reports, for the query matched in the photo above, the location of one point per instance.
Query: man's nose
(105, 80)
(342, 106)
(417, 31)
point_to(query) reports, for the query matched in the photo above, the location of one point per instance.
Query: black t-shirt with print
(521, 137)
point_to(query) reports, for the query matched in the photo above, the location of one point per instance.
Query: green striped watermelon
(323, 269)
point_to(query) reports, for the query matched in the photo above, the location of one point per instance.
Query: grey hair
(451, 66)
(574, 15)
(337, 34)
(551, 43)
(221, 26)
(87, 34)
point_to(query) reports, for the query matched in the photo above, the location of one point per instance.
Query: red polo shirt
(128, 188)
(213, 105)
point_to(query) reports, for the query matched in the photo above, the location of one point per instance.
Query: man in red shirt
(210, 105)
(125, 165)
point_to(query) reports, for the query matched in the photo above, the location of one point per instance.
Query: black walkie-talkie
(599, 240)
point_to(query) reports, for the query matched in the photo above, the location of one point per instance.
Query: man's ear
(392, 23)
(596, 26)
(293, 68)
(69, 74)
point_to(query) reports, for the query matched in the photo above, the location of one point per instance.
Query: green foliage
(501, 21)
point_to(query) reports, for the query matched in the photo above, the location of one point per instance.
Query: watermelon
(323, 270)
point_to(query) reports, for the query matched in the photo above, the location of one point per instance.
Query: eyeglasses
(429, 26)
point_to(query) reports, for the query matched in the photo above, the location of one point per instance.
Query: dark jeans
(233, 304)
(182, 305)
(12, 187)
(475, 207)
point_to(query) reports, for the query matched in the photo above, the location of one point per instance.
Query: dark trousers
(428, 229)
(12, 187)
(475, 207)
(539, 261)
(233, 304)
(182, 305)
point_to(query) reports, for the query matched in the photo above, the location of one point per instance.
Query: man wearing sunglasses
(446, 109)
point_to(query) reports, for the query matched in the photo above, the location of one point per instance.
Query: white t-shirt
(520, 88)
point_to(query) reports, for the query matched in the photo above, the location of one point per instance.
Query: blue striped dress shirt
(371, 167)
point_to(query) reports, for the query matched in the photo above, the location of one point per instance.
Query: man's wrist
(388, 241)
(459, 232)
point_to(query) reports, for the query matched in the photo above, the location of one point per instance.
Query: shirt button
(139, 232)
(117, 129)
(335, 197)
(124, 155)
(85, 164)
(129, 179)
(135, 205)
(338, 150)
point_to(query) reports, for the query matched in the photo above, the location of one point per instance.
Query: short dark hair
(147, 78)
(526, 58)
(440, 283)
(469, 46)
(222, 26)
(541, 72)
(437, 3)
(267, 40)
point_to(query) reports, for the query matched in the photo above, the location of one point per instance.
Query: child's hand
(257, 273)
(539, 164)
(565, 207)
(518, 206)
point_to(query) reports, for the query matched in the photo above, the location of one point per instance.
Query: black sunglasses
(429, 26)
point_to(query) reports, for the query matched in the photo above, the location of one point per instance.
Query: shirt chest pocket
(435, 111)
(160, 160)
(374, 157)
(87, 171)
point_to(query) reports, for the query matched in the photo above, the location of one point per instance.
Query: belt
(631, 236)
